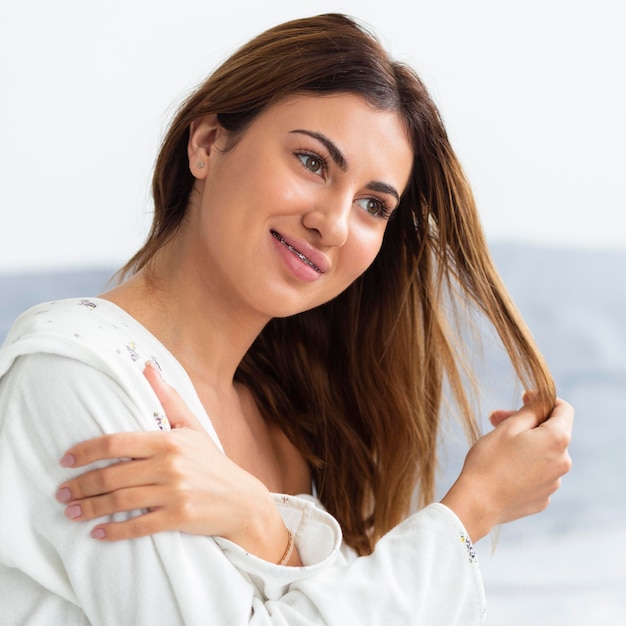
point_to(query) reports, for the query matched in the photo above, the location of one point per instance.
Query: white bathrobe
(72, 370)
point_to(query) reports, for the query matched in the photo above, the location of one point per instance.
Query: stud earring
(200, 164)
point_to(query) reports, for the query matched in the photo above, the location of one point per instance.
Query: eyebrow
(376, 185)
(333, 150)
(340, 160)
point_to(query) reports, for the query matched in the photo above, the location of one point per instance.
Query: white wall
(533, 96)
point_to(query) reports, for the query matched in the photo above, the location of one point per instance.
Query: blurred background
(534, 100)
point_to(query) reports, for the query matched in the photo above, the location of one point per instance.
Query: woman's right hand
(512, 471)
(180, 476)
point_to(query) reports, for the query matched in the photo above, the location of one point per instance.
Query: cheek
(275, 191)
(292, 195)
(362, 249)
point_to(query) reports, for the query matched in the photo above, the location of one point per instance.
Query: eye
(374, 206)
(313, 162)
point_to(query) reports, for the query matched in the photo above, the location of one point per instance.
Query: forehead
(328, 108)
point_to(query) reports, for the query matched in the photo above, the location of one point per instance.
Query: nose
(330, 219)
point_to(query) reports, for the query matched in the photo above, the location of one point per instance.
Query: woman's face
(296, 210)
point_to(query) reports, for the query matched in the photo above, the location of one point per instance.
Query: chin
(282, 306)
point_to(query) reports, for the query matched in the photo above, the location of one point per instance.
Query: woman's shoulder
(86, 351)
(87, 319)
(81, 337)
(86, 329)
(69, 316)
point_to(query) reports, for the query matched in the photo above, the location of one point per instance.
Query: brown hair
(358, 383)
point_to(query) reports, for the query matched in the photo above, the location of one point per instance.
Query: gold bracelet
(288, 550)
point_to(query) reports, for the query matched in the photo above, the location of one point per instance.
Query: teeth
(296, 252)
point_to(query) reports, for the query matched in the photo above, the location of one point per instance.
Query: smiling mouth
(291, 249)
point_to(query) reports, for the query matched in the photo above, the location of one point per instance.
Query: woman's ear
(202, 135)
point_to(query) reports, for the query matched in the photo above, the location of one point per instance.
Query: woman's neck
(206, 332)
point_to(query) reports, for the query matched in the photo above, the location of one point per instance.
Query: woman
(312, 228)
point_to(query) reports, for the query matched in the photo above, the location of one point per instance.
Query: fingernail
(98, 533)
(155, 367)
(64, 495)
(73, 511)
(68, 460)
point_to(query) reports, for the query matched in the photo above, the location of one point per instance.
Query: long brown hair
(358, 383)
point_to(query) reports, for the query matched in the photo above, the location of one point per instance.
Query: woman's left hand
(180, 477)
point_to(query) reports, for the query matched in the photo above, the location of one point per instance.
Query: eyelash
(382, 211)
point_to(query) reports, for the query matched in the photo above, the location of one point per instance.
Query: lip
(308, 254)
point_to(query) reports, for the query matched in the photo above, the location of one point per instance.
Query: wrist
(466, 503)
(263, 533)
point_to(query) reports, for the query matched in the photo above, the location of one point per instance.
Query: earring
(200, 164)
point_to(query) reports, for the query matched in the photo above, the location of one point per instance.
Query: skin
(222, 278)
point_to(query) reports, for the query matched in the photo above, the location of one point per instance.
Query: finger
(559, 424)
(525, 418)
(130, 445)
(140, 526)
(178, 413)
(104, 480)
(134, 498)
(562, 415)
(497, 417)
